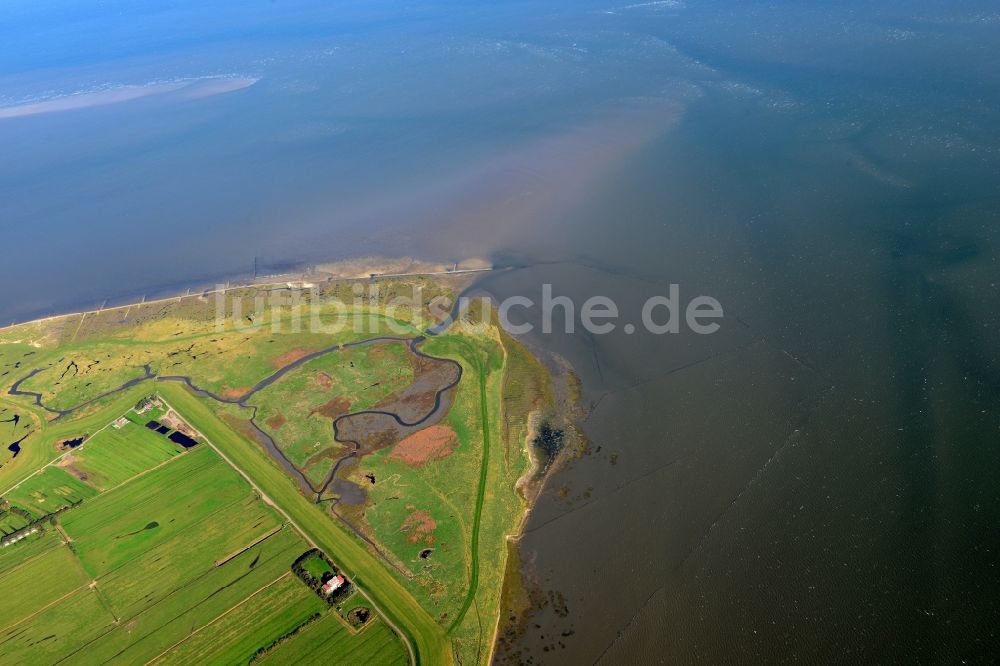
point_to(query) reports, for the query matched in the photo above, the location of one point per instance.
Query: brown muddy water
(817, 481)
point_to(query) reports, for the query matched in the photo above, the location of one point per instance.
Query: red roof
(333, 584)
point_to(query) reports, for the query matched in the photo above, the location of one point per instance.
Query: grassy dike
(427, 638)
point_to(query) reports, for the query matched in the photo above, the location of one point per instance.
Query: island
(233, 476)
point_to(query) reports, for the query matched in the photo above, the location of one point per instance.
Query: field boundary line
(219, 617)
(351, 630)
(86, 574)
(308, 539)
(46, 607)
(59, 458)
(153, 499)
(29, 560)
(264, 537)
(76, 558)
(144, 472)
(163, 544)
(175, 591)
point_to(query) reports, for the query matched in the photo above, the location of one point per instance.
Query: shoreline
(295, 280)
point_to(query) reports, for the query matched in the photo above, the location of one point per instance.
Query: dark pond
(182, 439)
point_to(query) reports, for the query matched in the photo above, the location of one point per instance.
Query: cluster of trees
(32, 523)
(358, 616)
(147, 403)
(315, 584)
(6, 507)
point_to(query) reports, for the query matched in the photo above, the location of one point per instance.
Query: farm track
(219, 617)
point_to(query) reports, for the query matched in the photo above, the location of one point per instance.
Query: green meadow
(117, 454)
(181, 555)
(171, 558)
(296, 410)
(20, 595)
(329, 642)
(53, 489)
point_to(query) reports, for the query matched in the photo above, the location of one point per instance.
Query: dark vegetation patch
(550, 441)
(417, 400)
(304, 568)
(334, 408)
(242, 426)
(30, 522)
(325, 454)
(357, 617)
(369, 432)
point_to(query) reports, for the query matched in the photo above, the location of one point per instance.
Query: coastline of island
(89, 359)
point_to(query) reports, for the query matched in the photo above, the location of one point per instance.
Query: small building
(332, 585)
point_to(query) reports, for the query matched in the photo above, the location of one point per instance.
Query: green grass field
(11, 522)
(20, 592)
(234, 637)
(11, 558)
(51, 490)
(177, 558)
(296, 411)
(212, 592)
(317, 567)
(180, 562)
(328, 642)
(115, 455)
(58, 631)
